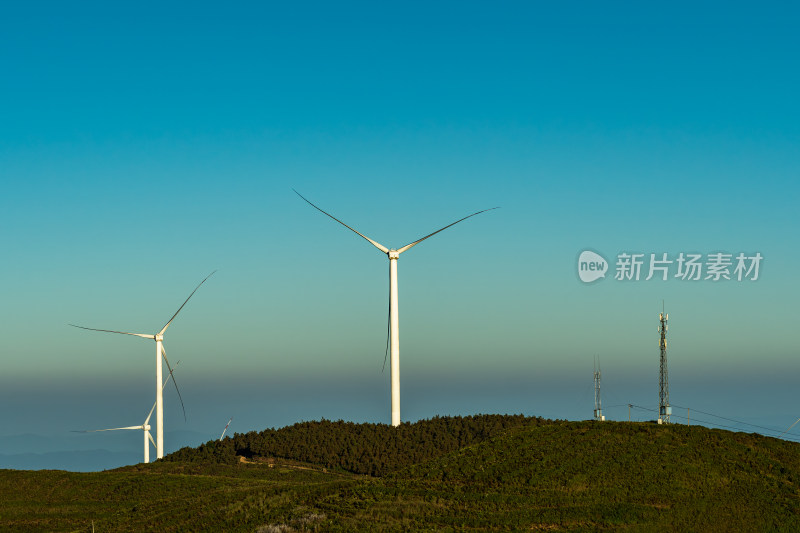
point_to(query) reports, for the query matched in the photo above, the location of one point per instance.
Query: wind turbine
(160, 353)
(394, 324)
(145, 427)
(226, 429)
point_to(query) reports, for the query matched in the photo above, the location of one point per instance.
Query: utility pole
(664, 409)
(598, 411)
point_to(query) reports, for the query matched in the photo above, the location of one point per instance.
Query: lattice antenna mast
(664, 410)
(598, 410)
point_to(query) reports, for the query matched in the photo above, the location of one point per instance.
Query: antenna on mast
(598, 411)
(664, 409)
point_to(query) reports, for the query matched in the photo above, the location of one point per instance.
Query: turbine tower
(598, 410)
(160, 353)
(394, 325)
(664, 409)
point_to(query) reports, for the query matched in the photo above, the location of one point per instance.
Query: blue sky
(144, 146)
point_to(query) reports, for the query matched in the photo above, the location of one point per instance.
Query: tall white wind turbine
(160, 353)
(394, 324)
(144, 427)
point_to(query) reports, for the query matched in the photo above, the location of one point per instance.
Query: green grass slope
(588, 476)
(155, 498)
(553, 476)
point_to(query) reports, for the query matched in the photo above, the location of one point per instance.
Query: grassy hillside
(179, 498)
(561, 476)
(573, 476)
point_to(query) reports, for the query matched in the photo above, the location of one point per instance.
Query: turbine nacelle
(159, 338)
(393, 254)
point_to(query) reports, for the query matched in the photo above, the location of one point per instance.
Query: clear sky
(143, 146)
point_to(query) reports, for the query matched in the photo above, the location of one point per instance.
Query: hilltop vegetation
(370, 449)
(520, 474)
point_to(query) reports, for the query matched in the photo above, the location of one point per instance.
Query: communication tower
(598, 411)
(664, 410)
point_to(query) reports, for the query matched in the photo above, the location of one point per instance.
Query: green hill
(572, 476)
(518, 474)
(371, 449)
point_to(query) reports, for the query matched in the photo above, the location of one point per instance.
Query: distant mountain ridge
(73, 461)
(77, 452)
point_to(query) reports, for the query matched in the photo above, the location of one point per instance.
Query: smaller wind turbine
(160, 353)
(144, 427)
(226, 429)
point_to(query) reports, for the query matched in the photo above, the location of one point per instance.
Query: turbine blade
(184, 303)
(147, 420)
(407, 246)
(109, 429)
(379, 246)
(787, 429)
(149, 436)
(226, 428)
(142, 335)
(388, 331)
(164, 355)
(171, 372)
(163, 385)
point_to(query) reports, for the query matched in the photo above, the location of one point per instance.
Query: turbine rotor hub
(393, 254)
(159, 337)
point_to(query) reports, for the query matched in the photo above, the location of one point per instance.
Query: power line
(731, 419)
(770, 432)
(775, 431)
